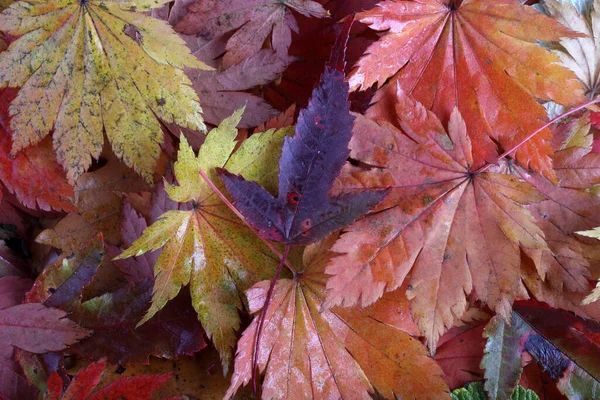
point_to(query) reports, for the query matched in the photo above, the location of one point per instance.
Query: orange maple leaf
(481, 56)
(455, 230)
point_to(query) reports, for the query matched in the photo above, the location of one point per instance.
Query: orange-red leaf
(481, 56)
(455, 231)
(33, 174)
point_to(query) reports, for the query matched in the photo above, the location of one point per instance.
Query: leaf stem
(528, 137)
(262, 317)
(282, 257)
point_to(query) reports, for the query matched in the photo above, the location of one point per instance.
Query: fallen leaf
(448, 229)
(207, 247)
(222, 91)
(33, 175)
(113, 317)
(581, 55)
(73, 64)
(98, 199)
(479, 56)
(253, 22)
(338, 353)
(303, 212)
(85, 382)
(38, 329)
(502, 359)
(62, 282)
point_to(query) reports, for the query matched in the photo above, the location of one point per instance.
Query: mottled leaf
(479, 56)
(451, 230)
(208, 247)
(339, 353)
(72, 61)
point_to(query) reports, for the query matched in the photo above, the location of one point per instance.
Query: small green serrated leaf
(475, 391)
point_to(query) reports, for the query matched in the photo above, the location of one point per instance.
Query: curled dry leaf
(73, 64)
(338, 353)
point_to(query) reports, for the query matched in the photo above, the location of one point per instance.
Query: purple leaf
(311, 160)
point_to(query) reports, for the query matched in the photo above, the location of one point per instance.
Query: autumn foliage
(299, 199)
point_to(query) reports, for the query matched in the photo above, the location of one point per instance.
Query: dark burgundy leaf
(311, 160)
(12, 290)
(174, 331)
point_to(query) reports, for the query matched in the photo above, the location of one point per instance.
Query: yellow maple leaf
(80, 73)
(208, 247)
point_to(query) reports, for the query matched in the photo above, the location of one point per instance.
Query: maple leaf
(480, 56)
(303, 212)
(73, 64)
(253, 22)
(13, 385)
(85, 382)
(207, 247)
(337, 353)
(33, 175)
(581, 55)
(454, 230)
(222, 90)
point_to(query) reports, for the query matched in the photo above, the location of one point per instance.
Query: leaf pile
(200, 194)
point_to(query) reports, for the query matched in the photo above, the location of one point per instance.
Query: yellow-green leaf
(80, 73)
(208, 247)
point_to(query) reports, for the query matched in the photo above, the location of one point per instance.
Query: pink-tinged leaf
(172, 332)
(447, 229)
(38, 329)
(12, 290)
(253, 22)
(311, 160)
(223, 91)
(140, 387)
(33, 174)
(308, 352)
(63, 281)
